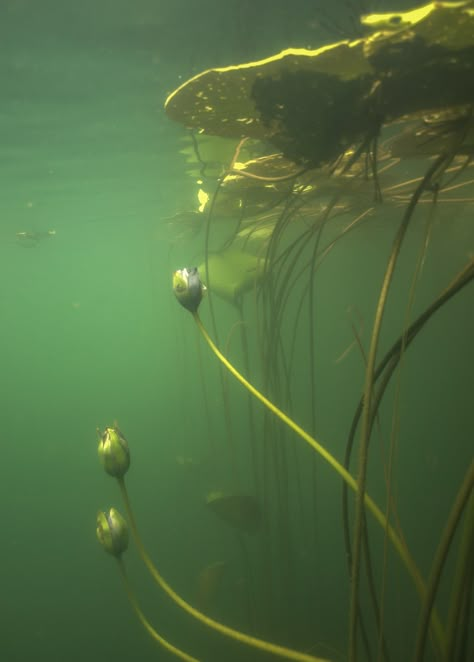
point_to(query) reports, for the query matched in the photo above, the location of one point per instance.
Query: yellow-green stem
(339, 468)
(146, 624)
(367, 413)
(226, 631)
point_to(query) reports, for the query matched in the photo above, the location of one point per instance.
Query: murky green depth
(90, 333)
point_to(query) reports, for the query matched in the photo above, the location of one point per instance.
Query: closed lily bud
(188, 288)
(114, 452)
(112, 532)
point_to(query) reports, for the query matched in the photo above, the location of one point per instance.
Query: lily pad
(240, 511)
(314, 104)
(231, 273)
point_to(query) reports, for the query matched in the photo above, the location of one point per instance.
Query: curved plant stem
(387, 367)
(439, 560)
(146, 624)
(367, 403)
(226, 631)
(463, 278)
(330, 459)
(458, 627)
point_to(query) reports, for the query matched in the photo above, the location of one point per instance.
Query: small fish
(186, 461)
(31, 239)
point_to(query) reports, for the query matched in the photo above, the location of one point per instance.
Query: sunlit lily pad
(231, 273)
(313, 104)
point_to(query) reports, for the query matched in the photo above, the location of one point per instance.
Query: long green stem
(315, 445)
(226, 631)
(367, 405)
(461, 592)
(440, 558)
(386, 368)
(146, 624)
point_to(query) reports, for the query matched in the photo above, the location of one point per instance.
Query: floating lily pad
(313, 104)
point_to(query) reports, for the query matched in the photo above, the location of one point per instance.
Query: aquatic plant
(307, 181)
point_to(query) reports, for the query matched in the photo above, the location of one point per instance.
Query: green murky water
(90, 171)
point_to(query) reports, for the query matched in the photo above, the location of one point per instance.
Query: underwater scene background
(99, 206)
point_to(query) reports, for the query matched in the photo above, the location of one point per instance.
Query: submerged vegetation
(296, 157)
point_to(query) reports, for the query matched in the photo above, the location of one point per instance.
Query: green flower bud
(113, 452)
(188, 288)
(112, 532)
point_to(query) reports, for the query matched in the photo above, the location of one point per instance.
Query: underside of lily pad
(312, 105)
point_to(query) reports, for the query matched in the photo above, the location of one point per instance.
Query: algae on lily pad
(314, 104)
(240, 511)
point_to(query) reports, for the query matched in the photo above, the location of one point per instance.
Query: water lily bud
(113, 452)
(112, 532)
(188, 288)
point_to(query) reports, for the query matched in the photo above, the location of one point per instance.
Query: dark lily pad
(240, 511)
